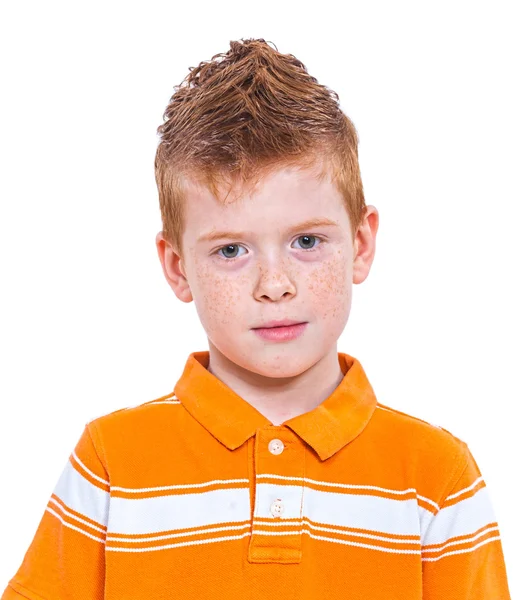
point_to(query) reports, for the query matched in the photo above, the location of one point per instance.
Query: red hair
(237, 119)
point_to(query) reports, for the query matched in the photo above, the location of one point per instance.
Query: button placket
(278, 460)
(276, 447)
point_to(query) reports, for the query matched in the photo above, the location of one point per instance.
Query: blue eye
(309, 237)
(230, 248)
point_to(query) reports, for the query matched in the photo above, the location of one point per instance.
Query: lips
(281, 333)
(280, 323)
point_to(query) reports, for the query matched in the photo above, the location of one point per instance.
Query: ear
(365, 245)
(173, 269)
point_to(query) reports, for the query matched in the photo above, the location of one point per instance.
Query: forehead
(284, 197)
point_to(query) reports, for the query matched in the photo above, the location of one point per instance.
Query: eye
(227, 249)
(309, 239)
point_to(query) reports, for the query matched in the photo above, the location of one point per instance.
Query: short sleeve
(66, 558)
(462, 556)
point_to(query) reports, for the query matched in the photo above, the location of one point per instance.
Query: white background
(88, 323)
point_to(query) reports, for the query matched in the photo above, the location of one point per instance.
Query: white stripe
(155, 538)
(466, 540)
(463, 518)
(180, 486)
(348, 486)
(338, 531)
(425, 518)
(279, 523)
(426, 514)
(464, 551)
(70, 515)
(165, 402)
(463, 491)
(93, 475)
(93, 537)
(163, 513)
(82, 496)
(344, 510)
(168, 546)
(349, 543)
(238, 537)
(428, 501)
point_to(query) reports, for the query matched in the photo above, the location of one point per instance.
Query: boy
(271, 470)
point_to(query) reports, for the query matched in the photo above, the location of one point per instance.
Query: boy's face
(269, 270)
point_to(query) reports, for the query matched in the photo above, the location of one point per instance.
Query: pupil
(306, 237)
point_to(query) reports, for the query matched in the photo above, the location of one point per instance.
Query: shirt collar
(335, 422)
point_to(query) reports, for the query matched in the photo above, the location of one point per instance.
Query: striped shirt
(197, 495)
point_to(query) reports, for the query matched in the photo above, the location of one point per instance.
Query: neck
(279, 398)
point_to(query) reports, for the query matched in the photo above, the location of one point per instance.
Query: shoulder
(415, 428)
(135, 426)
(137, 412)
(432, 450)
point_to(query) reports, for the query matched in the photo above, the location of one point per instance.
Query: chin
(278, 363)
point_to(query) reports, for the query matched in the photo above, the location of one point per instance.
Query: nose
(274, 283)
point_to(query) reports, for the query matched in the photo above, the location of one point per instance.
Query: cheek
(329, 287)
(217, 299)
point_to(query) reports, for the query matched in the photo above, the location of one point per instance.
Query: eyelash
(236, 257)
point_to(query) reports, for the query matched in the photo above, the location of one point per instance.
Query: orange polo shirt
(197, 495)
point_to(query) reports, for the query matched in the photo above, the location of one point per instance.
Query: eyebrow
(212, 236)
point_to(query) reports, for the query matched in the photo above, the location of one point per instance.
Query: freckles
(230, 301)
(329, 287)
(219, 296)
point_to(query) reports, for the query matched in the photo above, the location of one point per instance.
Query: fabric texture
(197, 495)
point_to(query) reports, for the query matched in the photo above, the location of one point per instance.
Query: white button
(277, 508)
(276, 446)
